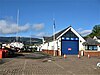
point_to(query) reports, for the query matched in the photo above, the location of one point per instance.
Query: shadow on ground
(30, 55)
(35, 55)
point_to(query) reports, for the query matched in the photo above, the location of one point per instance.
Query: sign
(69, 49)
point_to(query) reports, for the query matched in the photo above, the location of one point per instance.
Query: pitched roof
(61, 33)
(98, 37)
(48, 39)
(90, 41)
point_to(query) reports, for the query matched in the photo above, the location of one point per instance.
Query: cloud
(38, 27)
(24, 28)
(7, 27)
(41, 34)
(84, 32)
(79, 29)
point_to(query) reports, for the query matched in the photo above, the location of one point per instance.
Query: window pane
(95, 47)
(90, 47)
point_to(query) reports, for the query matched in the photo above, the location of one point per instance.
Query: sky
(36, 16)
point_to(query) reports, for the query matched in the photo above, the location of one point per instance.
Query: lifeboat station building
(69, 42)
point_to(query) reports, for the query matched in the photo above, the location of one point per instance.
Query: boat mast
(30, 38)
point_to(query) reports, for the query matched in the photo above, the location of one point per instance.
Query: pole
(30, 38)
(54, 38)
(17, 25)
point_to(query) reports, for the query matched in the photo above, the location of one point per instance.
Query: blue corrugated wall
(70, 47)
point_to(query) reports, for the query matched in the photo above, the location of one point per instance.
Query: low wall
(85, 53)
(92, 53)
(51, 52)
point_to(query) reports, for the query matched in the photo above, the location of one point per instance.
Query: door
(70, 47)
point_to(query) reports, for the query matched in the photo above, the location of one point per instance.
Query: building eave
(61, 33)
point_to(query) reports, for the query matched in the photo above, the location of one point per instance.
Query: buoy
(65, 56)
(78, 56)
(88, 56)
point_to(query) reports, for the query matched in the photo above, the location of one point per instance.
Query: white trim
(73, 32)
(80, 37)
(63, 33)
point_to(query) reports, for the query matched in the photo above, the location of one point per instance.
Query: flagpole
(17, 25)
(54, 37)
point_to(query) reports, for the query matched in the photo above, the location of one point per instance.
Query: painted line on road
(24, 67)
(63, 68)
(58, 65)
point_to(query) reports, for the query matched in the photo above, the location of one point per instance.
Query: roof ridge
(56, 35)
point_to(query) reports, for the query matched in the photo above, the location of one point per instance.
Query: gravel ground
(50, 66)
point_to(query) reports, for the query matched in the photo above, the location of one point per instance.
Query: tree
(95, 31)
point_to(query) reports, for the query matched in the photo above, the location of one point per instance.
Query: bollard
(78, 56)
(88, 56)
(65, 56)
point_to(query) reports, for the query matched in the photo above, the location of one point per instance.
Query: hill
(25, 40)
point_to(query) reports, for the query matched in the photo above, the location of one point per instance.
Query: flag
(54, 23)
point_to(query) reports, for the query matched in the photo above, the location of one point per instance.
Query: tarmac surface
(41, 64)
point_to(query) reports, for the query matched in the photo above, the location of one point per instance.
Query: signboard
(69, 49)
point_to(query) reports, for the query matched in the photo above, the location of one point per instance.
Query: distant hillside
(25, 40)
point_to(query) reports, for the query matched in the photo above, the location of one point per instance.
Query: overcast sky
(36, 16)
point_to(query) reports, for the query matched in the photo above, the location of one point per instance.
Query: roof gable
(48, 39)
(61, 33)
(69, 34)
(96, 37)
(73, 30)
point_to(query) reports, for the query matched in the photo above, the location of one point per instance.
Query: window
(67, 38)
(91, 47)
(72, 38)
(95, 47)
(63, 38)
